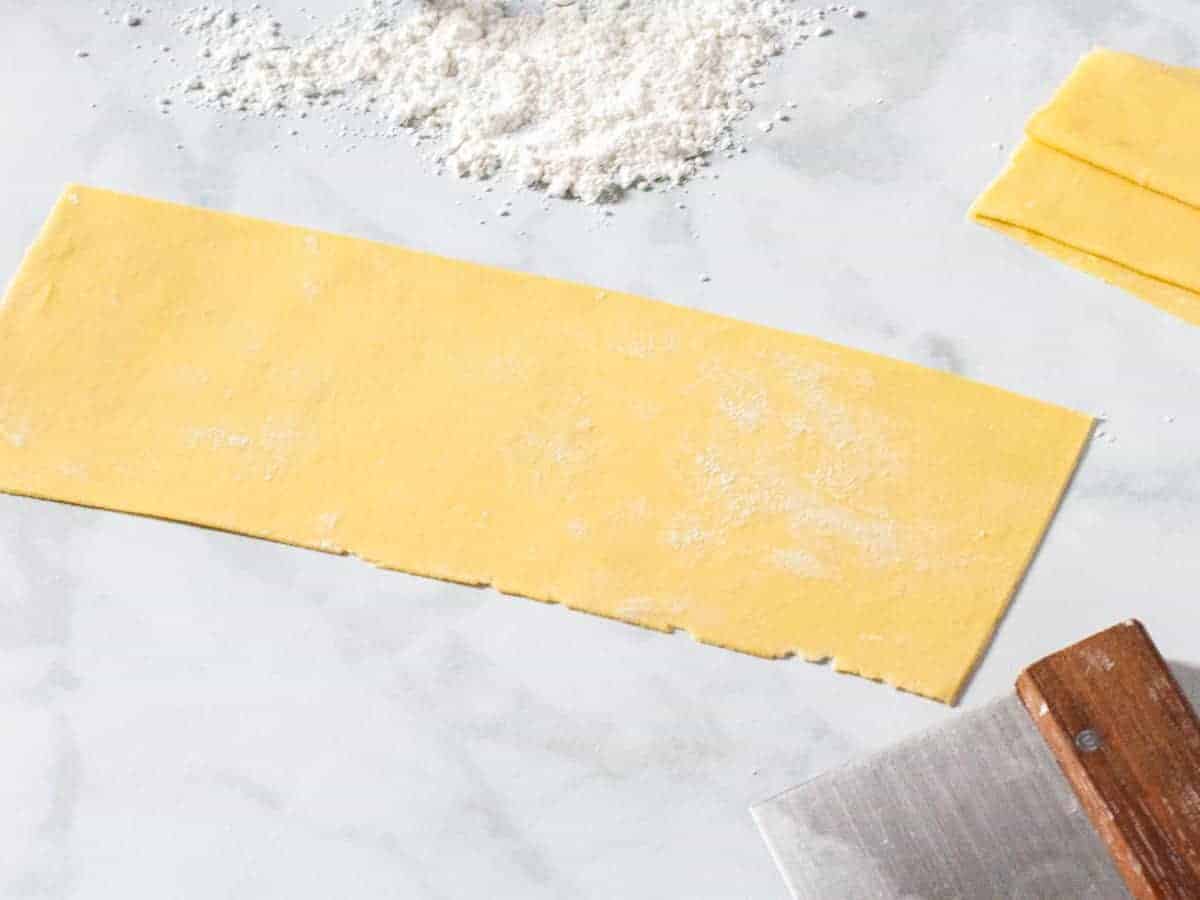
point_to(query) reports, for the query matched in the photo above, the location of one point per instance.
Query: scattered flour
(800, 562)
(583, 99)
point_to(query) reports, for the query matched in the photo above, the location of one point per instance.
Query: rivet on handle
(1088, 740)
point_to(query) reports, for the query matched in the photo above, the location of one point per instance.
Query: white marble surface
(193, 714)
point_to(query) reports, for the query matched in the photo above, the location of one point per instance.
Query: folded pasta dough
(1108, 179)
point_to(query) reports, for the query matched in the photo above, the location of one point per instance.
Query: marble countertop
(195, 714)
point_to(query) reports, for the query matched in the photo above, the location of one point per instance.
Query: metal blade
(976, 809)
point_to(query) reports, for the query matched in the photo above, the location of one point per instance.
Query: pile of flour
(582, 98)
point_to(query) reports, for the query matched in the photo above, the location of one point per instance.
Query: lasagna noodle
(767, 492)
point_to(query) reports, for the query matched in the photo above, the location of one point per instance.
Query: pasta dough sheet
(1108, 179)
(767, 492)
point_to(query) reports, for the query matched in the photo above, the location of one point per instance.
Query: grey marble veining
(193, 714)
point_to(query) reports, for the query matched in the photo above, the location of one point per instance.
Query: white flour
(582, 99)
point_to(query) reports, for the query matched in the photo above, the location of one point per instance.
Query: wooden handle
(1129, 743)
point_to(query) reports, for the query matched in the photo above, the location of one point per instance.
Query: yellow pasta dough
(1108, 179)
(765, 491)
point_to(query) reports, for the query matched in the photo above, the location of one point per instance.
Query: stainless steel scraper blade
(977, 809)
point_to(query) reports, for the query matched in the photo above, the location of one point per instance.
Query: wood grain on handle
(1129, 743)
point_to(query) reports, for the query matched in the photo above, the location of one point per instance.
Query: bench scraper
(1086, 785)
